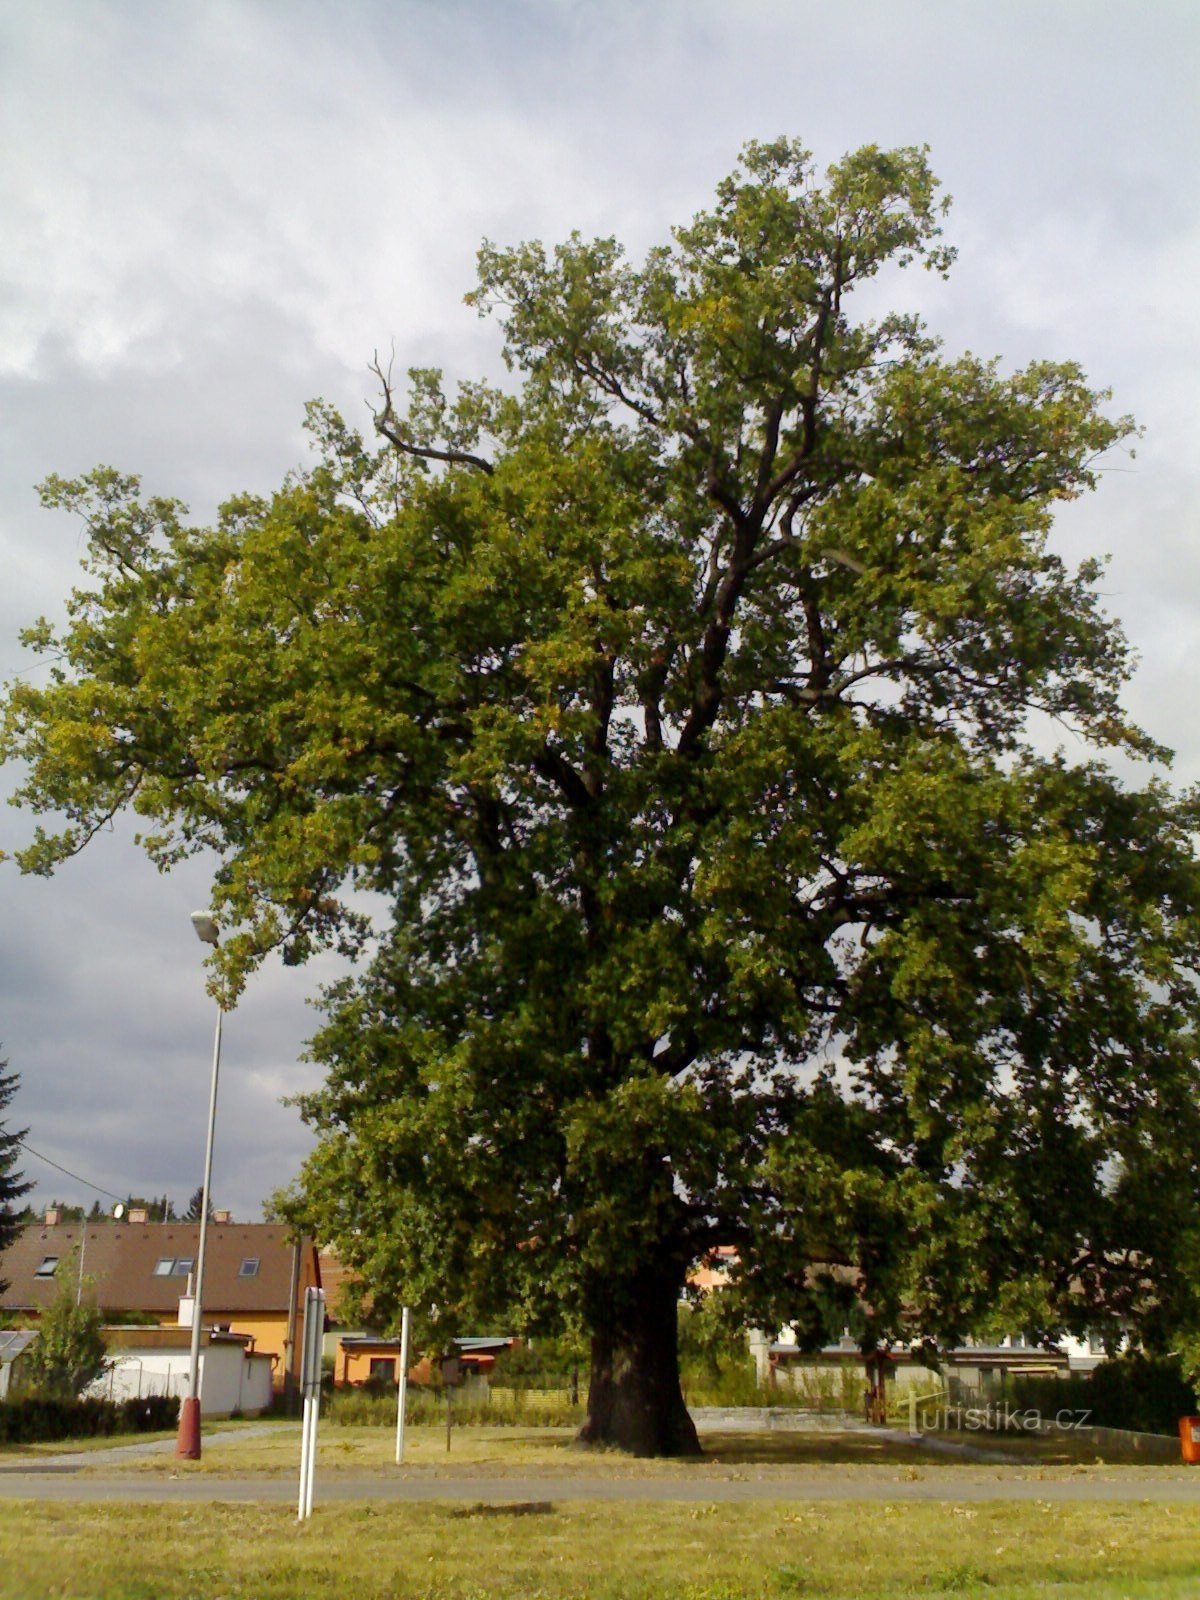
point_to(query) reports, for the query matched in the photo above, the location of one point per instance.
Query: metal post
(402, 1386)
(310, 1383)
(290, 1365)
(188, 1445)
(306, 1403)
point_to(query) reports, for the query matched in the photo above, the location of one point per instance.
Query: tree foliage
(12, 1187)
(676, 703)
(69, 1351)
(195, 1207)
(157, 1208)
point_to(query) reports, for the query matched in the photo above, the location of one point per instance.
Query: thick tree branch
(387, 423)
(552, 765)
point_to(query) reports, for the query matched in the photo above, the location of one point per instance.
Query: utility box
(1189, 1438)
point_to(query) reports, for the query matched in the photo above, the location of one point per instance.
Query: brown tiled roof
(121, 1258)
(334, 1278)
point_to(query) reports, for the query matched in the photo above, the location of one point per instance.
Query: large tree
(683, 702)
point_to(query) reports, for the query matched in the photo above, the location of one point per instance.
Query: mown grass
(577, 1551)
(503, 1450)
(1068, 1447)
(273, 1449)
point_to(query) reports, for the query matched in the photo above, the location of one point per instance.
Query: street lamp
(187, 1445)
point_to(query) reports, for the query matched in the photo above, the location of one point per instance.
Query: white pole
(198, 1301)
(312, 1454)
(310, 1380)
(403, 1385)
(303, 1458)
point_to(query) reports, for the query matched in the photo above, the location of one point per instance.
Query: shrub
(37, 1418)
(1145, 1394)
(504, 1408)
(68, 1352)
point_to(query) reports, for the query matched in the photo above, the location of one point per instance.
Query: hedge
(34, 1418)
(1147, 1394)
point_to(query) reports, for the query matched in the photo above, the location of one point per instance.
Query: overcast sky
(212, 212)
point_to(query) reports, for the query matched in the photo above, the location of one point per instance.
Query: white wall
(230, 1380)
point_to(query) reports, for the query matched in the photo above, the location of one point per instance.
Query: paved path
(126, 1452)
(539, 1488)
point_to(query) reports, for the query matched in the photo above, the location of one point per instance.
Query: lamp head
(206, 927)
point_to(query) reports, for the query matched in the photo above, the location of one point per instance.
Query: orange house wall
(269, 1328)
(355, 1365)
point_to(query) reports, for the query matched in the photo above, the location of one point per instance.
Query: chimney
(52, 1214)
(222, 1216)
(139, 1214)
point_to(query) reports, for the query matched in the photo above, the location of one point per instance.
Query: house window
(383, 1367)
(173, 1266)
(46, 1270)
(249, 1267)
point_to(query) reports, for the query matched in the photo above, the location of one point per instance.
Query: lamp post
(187, 1445)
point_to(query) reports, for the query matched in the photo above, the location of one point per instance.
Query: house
(974, 1367)
(712, 1271)
(234, 1377)
(362, 1357)
(336, 1280)
(255, 1276)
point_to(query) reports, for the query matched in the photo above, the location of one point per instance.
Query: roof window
(46, 1269)
(249, 1267)
(173, 1266)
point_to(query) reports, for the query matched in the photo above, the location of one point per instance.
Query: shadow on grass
(814, 1449)
(516, 1508)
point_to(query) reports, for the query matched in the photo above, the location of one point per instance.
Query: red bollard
(187, 1443)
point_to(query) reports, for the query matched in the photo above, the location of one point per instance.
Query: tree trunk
(634, 1398)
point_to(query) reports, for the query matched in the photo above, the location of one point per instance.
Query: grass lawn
(576, 1551)
(498, 1450)
(1067, 1447)
(274, 1448)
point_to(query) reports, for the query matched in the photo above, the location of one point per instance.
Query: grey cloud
(212, 214)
